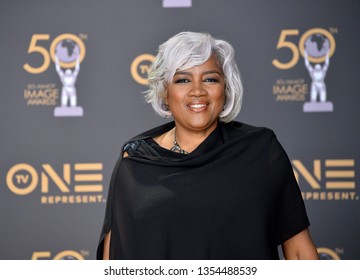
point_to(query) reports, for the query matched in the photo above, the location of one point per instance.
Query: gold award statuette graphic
(68, 51)
(317, 45)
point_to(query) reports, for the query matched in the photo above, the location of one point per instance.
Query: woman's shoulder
(259, 136)
(143, 139)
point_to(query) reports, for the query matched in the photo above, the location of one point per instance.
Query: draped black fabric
(234, 197)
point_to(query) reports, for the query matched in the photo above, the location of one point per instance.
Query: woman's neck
(187, 140)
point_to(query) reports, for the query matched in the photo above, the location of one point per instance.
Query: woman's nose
(198, 89)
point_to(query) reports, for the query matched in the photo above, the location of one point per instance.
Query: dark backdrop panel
(55, 171)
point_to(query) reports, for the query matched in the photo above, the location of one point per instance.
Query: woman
(202, 186)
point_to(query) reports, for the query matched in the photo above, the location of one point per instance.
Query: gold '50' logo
(48, 55)
(317, 36)
(64, 255)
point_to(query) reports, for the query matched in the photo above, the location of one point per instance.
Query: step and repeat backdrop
(72, 76)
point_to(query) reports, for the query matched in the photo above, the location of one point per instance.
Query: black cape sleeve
(290, 215)
(108, 212)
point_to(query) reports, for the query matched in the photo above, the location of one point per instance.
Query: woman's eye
(181, 81)
(212, 80)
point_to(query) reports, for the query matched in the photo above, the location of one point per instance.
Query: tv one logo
(140, 68)
(72, 185)
(329, 179)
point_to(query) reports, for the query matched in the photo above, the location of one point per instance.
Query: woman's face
(196, 96)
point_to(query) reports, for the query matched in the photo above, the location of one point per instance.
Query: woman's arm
(106, 249)
(300, 247)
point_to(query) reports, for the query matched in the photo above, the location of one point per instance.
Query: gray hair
(186, 50)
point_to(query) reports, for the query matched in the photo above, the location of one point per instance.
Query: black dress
(234, 197)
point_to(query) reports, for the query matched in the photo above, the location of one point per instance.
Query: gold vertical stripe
(67, 173)
(317, 169)
(44, 183)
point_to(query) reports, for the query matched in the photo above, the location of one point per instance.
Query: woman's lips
(197, 107)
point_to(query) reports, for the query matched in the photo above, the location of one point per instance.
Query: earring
(167, 109)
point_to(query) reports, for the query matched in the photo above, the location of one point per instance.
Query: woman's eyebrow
(213, 72)
(182, 73)
(205, 72)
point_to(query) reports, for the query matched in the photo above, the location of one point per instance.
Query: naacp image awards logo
(315, 48)
(66, 51)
